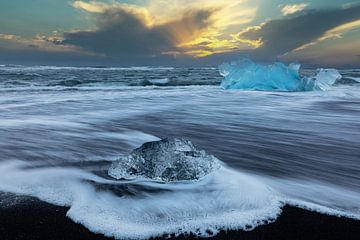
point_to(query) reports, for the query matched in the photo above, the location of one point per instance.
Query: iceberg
(247, 75)
(167, 160)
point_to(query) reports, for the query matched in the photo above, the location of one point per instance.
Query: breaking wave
(225, 199)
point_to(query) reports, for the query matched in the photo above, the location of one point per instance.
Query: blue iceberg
(247, 75)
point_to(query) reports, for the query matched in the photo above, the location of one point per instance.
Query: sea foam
(143, 208)
(225, 199)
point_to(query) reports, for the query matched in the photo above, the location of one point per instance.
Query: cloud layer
(179, 27)
(284, 35)
(128, 32)
(191, 30)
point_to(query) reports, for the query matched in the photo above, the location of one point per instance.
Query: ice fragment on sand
(165, 160)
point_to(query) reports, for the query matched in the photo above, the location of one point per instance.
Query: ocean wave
(37, 77)
(225, 199)
(156, 82)
(90, 77)
(142, 208)
(356, 79)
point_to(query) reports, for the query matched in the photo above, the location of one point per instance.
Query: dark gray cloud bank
(284, 35)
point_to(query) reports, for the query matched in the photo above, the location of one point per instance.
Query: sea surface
(61, 127)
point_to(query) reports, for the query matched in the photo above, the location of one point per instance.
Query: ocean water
(61, 127)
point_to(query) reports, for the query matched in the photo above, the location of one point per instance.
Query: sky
(179, 32)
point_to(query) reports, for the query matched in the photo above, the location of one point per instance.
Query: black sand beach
(33, 219)
(154, 119)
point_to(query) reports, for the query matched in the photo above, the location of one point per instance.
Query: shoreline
(34, 220)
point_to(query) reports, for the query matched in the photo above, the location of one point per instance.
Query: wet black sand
(38, 220)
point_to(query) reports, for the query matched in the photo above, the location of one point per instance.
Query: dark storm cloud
(124, 34)
(284, 35)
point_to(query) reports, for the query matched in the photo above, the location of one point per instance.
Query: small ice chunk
(167, 160)
(326, 78)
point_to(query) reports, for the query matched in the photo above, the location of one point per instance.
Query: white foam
(224, 200)
(133, 138)
(161, 81)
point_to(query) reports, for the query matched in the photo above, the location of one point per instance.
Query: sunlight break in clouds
(192, 39)
(8, 37)
(291, 9)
